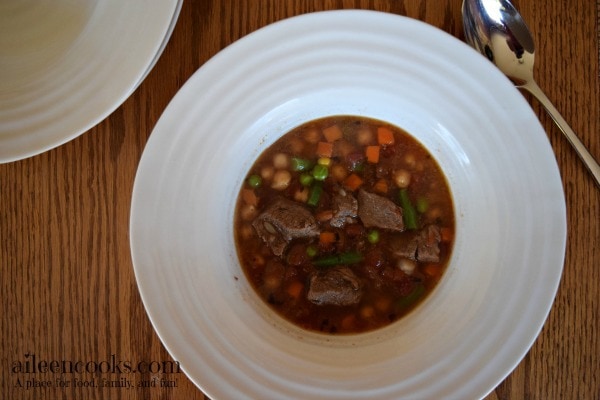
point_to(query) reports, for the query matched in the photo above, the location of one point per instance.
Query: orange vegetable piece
(327, 237)
(381, 186)
(352, 182)
(348, 322)
(372, 153)
(332, 133)
(324, 215)
(325, 149)
(383, 304)
(294, 289)
(385, 136)
(446, 234)
(432, 270)
(250, 197)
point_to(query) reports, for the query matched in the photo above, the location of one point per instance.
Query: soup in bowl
(344, 224)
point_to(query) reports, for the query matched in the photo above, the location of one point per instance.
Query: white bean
(267, 173)
(407, 265)
(281, 179)
(402, 178)
(296, 145)
(339, 172)
(281, 161)
(410, 159)
(364, 137)
(312, 136)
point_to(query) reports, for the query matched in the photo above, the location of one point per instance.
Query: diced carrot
(446, 234)
(432, 270)
(250, 197)
(353, 182)
(367, 312)
(372, 153)
(294, 289)
(385, 136)
(348, 322)
(327, 237)
(381, 186)
(383, 304)
(324, 215)
(325, 149)
(332, 133)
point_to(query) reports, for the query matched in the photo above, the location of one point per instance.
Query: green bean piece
(315, 194)
(350, 257)
(306, 179)
(254, 181)
(320, 172)
(301, 164)
(412, 297)
(409, 214)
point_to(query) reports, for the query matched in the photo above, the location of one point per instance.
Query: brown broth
(391, 285)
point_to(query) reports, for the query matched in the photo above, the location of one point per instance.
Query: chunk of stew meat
(423, 245)
(379, 212)
(282, 221)
(338, 286)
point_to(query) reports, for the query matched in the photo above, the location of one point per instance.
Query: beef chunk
(338, 286)
(344, 206)
(404, 245)
(282, 221)
(421, 246)
(428, 249)
(379, 212)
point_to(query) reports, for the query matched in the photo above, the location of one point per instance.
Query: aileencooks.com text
(32, 364)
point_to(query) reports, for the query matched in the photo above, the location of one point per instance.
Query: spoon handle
(588, 160)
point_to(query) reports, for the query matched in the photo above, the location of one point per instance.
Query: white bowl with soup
(501, 270)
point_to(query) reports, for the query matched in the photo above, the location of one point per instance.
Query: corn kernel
(326, 161)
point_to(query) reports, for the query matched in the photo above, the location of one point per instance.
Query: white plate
(511, 230)
(164, 42)
(66, 65)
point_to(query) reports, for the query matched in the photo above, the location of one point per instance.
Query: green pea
(254, 181)
(422, 205)
(373, 236)
(306, 179)
(311, 251)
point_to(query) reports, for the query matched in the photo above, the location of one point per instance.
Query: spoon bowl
(496, 29)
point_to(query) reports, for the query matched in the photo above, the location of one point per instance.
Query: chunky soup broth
(344, 224)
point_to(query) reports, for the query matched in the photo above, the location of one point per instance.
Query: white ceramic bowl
(66, 65)
(507, 260)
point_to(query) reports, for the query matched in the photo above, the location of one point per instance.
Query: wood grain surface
(68, 290)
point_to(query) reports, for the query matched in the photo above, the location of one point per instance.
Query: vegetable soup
(344, 224)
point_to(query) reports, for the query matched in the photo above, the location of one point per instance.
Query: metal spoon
(495, 28)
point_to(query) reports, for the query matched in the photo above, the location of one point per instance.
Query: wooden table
(68, 288)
